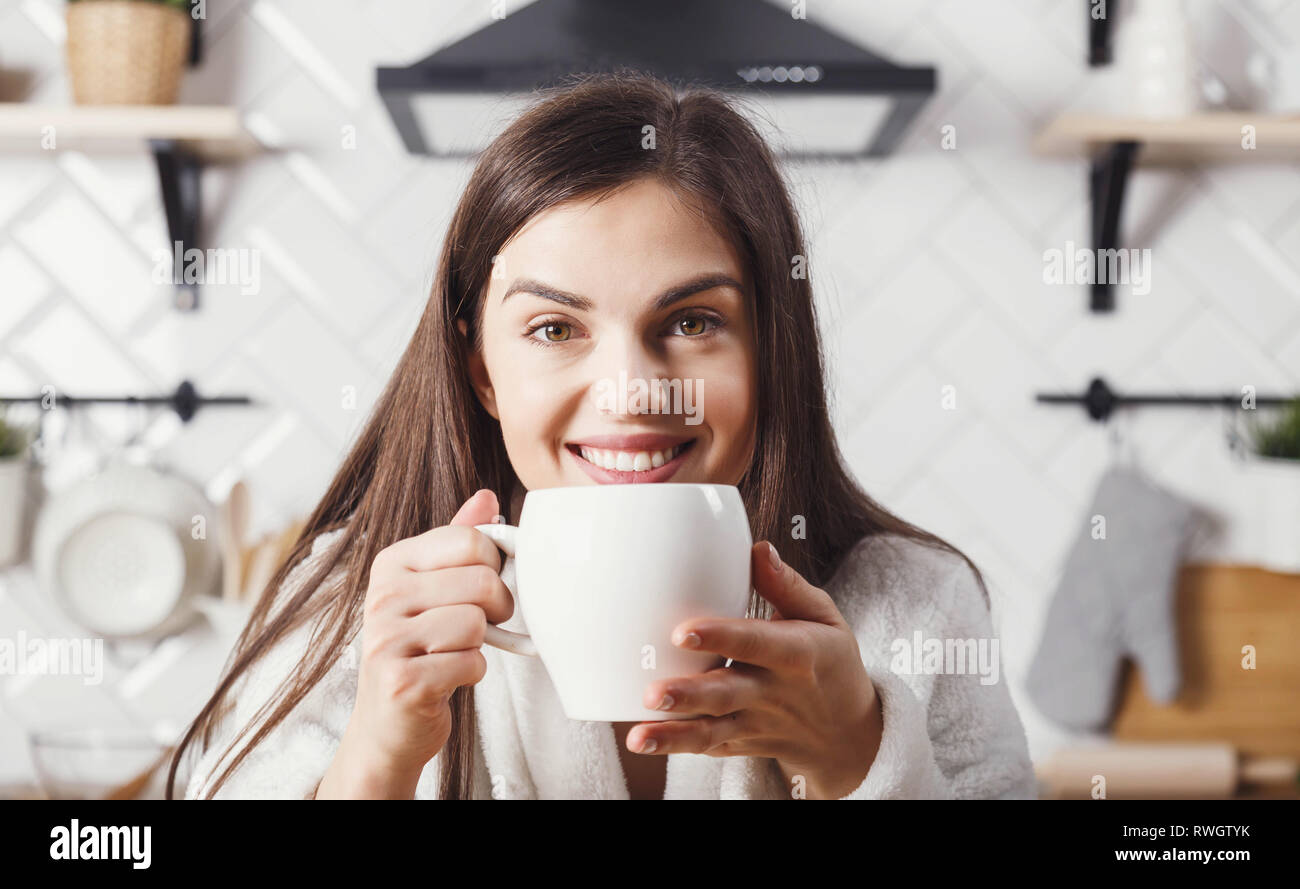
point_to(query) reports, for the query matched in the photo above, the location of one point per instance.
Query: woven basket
(125, 52)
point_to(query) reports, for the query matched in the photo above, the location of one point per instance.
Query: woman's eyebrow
(667, 298)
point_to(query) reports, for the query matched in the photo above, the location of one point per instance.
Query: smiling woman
(666, 303)
(578, 256)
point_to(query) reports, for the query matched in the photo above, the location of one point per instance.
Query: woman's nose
(627, 379)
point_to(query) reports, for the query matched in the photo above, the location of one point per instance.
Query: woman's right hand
(429, 601)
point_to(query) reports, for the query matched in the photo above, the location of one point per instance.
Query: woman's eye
(694, 325)
(552, 332)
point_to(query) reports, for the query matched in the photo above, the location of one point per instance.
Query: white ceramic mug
(606, 572)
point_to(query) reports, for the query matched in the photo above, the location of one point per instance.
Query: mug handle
(518, 643)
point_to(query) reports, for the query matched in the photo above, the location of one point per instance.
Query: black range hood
(827, 96)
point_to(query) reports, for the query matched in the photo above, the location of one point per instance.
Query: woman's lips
(625, 458)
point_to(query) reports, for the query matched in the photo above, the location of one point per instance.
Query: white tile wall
(927, 265)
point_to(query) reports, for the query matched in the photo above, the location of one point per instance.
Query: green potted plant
(1273, 462)
(15, 442)
(127, 52)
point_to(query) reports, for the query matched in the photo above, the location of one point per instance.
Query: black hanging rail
(1100, 400)
(186, 400)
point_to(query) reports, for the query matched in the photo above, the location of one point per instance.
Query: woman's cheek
(726, 406)
(525, 407)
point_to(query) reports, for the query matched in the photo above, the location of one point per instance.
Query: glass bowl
(96, 763)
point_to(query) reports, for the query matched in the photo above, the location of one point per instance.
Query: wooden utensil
(261, 566)
(1222, 609)
(1160, 771)
(288, 537)
(234, 514)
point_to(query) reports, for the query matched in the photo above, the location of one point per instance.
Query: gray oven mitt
(1115, 598)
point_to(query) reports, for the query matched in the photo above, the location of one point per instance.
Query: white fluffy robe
(945, 735)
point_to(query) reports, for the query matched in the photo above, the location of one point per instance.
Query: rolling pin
(1160, 771)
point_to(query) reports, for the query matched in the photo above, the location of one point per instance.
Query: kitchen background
(928, 266)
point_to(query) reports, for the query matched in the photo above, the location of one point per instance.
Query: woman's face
(618, 346)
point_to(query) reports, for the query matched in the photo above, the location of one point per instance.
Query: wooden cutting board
(1220, 609)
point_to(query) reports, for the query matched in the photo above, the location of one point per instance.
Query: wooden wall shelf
(212, 132)
(1208, 137)
(182, 138)
(1114, 144)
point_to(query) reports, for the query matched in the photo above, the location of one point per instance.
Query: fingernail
(649, 746)
(690, 640)
(498, 520)
(666, 703)
(773, 556)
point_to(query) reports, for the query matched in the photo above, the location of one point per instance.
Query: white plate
(172, 501)
(120, 572)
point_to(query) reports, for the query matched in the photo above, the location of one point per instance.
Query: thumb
(791, 595)
(479, 509)
(1157, 654)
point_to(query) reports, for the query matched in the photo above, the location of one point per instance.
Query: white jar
(1156, 61)
(13, 507)
(1274, 486)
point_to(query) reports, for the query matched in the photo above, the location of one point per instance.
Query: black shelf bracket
(1100, 19)
(1100, 401)
(186, 400)
(196, 33)
(179, 172)
(1107, 179)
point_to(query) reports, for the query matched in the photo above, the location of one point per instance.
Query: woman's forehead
(637, 241)
(642, 214)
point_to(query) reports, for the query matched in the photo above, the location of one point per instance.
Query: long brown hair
(430, 444)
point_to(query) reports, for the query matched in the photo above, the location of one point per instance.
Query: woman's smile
(643, 458)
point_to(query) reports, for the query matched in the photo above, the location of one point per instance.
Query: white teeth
(629, 461)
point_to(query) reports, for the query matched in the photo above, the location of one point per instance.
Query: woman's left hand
(796, 690)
